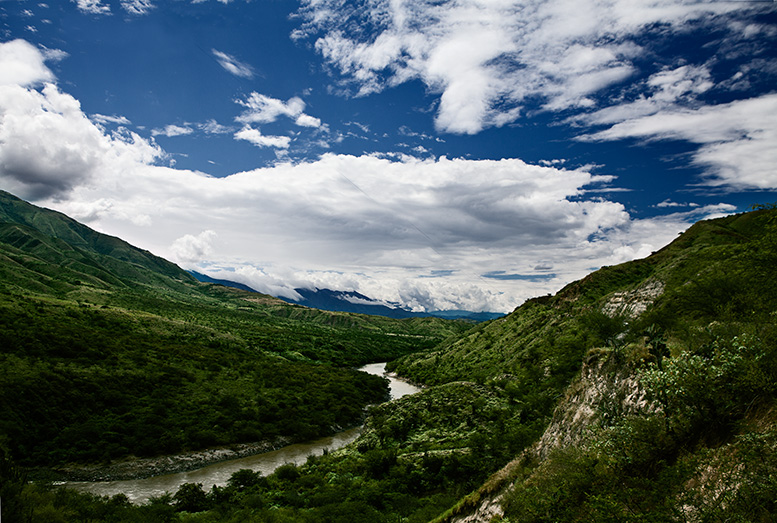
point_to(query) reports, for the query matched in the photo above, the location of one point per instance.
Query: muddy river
(140, 490)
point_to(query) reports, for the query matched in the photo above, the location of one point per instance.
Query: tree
(191, 498)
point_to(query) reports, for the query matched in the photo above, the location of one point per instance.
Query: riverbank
(139, 468)
(142, 479)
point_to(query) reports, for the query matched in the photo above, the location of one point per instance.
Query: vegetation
(691, 329)
(708, 454)
(415, 457)
(108, 351)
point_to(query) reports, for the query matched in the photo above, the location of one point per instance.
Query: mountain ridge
(352, 301)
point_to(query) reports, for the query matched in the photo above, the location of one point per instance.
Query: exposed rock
(634, 302)
(603, 391)
(135, 468)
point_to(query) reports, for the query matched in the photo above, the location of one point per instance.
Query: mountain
(48, 250)
(108, 351)
(226, 283)
(351, 301)
(646, 391)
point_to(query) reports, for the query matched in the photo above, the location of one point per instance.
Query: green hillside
(721, 270)
(109, 351)
(643, 392)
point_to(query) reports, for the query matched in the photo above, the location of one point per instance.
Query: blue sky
(439, 155)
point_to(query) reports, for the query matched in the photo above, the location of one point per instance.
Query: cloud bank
(429, 234)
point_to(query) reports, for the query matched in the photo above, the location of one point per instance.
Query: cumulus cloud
(23, 64)
(265, 109)
(47, 144)
(232, 65)
(255, 137)
(489, 60)
(190, 249)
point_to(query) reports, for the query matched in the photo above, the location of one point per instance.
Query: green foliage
(108, 351)
(191, 498)
(710, 391)
(116, 358)
(696, 457)
(87, 394)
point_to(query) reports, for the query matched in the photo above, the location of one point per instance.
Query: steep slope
(672, 415)
(58, 239)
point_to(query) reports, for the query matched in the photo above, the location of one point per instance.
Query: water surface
(141, 490)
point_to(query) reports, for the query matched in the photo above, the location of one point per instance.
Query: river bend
(141, 490)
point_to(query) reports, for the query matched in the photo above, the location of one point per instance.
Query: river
(141, 490)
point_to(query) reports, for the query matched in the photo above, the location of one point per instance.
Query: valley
(643, 392)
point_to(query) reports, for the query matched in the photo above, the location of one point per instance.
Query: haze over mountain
(345, 301)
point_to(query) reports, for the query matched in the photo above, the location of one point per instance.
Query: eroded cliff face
(634, 302)
(605, 390)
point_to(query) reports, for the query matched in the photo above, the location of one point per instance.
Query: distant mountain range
(351, 301)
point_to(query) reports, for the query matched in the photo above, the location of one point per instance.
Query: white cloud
(190, 250)
(258, 279)
(487, 59)
(47, 144)
(254, 136)
(172, 130)
(232, 65)
(305, 120)
(668, 89)
(94, 7)
(137, 7)
(23, 64)
(265, 109)
(381, 224)
(105, 119)
(213, 127)
(670, 203)
(738, 140)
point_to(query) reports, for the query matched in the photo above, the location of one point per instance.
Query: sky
(439, 154)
